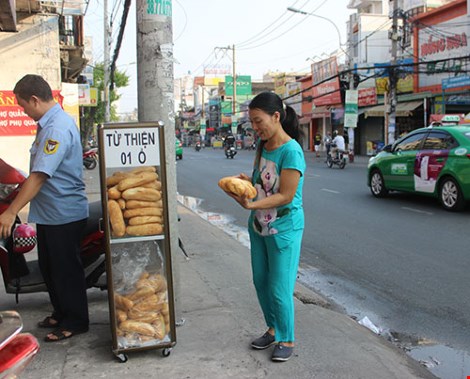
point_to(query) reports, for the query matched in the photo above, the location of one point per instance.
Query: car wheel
(450, 195)
(377, 185)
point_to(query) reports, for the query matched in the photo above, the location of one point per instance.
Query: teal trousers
(274, 262)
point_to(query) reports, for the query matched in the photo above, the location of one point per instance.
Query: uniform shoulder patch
(51, 146)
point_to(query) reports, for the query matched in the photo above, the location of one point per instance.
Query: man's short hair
(33, 85)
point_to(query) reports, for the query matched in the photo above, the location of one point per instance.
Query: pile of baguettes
(135, 204)
(143, 314)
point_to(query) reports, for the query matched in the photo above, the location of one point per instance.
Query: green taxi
(432, 161)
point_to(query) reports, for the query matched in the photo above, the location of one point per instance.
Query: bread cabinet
(135, 220)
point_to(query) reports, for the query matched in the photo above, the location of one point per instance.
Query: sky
(266, 36)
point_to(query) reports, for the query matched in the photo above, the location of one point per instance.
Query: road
(401, 261)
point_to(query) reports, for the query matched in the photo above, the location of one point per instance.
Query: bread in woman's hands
(238, 186)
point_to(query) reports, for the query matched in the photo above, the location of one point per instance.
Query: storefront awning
(403, 109)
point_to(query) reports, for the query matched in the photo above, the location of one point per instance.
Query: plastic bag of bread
(237, 186)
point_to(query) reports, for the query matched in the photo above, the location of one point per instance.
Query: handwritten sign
(131, 147)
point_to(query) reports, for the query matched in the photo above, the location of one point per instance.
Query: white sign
(131, 147)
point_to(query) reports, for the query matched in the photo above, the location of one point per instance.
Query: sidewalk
(222, 316)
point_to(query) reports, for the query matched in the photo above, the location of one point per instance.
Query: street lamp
(295, 10)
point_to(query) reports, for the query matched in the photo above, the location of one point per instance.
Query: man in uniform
(58, 205)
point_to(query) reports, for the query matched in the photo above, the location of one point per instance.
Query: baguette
(141, 294)
(114, 193)
(121, 315)
(141, 193)
(122, 203)
(151, 211)
(155, 184)
(151, 303)
(137, 180)
(238, 186)
(122, 302)
(142, 220)
(137, 327)
(138, 170)
(144, 230)
(132, 204)
(116, 218)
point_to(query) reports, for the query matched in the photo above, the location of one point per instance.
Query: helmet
(335, 133)
(24, 238)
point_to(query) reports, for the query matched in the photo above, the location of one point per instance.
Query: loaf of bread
(141, 293)
(142, 220)
(144, 230)
(114, 193)
(238, 186)
(151, 303)
(116, 218)
(150, 211)
(137, 327)
(122, 302)
(132, 204)
(121, 315)
(137, 180)
(141, 193)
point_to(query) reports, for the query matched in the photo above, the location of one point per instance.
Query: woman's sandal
(48, 322)
(62, 334)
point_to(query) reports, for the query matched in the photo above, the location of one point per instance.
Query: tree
(95, 115)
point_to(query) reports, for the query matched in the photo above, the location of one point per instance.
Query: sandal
(62, 334)
(48, 322)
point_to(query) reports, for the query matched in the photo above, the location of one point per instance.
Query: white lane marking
(312, 176)
(328, 190)
(417, 211)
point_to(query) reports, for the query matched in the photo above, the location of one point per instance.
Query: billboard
(243, 85)
(326, 82)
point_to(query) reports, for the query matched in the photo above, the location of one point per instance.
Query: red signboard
(367, 97)
(13, 121)
(326, 92)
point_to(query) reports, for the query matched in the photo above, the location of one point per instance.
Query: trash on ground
(369, 325)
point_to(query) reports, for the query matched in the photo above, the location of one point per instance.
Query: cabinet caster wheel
(166, 352)
(122, 358)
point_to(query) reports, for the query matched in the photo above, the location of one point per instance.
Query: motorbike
(21, 275)
(197, 146)
(338, 159)
(230, 151)
(90, 158)
(16, 349)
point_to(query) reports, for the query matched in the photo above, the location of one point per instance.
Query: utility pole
(155, 97)
(234, 76)
(390, 127)
(106, 63)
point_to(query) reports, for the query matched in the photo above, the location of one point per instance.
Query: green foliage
(95, 115)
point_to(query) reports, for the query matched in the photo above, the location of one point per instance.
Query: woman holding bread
(276, 222)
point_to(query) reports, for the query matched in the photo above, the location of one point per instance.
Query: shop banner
(367, 97)
(326, 92)
(243, 85)
(13, 121)
(351, 114)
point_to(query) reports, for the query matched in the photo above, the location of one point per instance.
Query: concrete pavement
(218, 303)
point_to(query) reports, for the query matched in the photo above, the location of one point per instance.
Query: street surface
(401, 261)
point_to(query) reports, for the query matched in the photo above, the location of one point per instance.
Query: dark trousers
(62, 270)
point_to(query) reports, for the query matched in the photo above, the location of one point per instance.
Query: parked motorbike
(230, 151)
(23, 276)
(90, 158)
(197, 146)
(338, 159)
(16, 349)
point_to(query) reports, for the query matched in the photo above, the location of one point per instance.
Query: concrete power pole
(392, 93)
(155, 95)
(106, 64)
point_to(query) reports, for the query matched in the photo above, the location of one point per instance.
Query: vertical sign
(131, 147)
(350, 114)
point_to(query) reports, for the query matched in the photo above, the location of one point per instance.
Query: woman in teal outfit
(276, 222)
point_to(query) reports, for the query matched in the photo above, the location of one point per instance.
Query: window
(439, 141)
(412, 142)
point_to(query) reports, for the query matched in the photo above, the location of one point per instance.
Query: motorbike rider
(327, 141)
(337, 144)
(229, 141)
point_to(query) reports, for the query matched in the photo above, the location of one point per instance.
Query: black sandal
(47, 323)
(60, 335)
